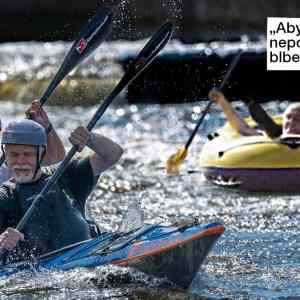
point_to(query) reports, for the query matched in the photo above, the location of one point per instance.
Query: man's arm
(107, 152)
(234, 119)
(55, 149)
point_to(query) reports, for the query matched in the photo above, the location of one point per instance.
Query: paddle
(143, 60)
(175, 160)
(89, 38)
(260, 116)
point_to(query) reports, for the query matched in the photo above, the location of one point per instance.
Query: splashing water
(134, 216)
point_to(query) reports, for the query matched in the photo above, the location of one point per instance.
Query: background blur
(208, 35)
(196, 19)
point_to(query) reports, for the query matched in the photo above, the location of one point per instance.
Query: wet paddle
(89, 38)
(175, 160)
(136, 67)
(260, 116)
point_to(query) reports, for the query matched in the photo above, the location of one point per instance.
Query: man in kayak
(290, 123)
(55, 148)
(60, 218)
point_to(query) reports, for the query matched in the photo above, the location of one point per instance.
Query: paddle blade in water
(175, 160)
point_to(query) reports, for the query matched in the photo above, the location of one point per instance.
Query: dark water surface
(256, 258)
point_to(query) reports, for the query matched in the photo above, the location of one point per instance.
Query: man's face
(21, 160)
(291, 121)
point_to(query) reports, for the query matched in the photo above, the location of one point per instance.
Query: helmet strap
(3, 153)
(39, 157)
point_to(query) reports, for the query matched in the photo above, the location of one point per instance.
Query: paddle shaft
(88, 40)
(220, 87)
(146, 56)
(191, 138)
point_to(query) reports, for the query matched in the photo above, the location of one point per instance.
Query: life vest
(58, 220)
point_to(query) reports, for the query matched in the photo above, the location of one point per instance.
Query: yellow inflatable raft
(254, 163)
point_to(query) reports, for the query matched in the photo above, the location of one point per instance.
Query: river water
(256, 258)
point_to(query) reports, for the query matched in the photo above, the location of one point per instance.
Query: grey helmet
(24, 132)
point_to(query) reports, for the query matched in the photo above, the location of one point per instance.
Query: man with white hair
(291, 120)
(55, 148)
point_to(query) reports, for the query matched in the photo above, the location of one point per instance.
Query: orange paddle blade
(175, 160)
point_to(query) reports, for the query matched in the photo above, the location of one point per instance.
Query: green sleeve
(79, 180)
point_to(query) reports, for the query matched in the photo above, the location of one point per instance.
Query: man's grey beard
(21, 177)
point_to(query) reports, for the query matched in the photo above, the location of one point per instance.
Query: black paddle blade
(150, 50)
(89, 38)
(137, 66)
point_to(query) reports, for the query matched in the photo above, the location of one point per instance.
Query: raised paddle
(89, 38)
(175, 160)
(136, 67)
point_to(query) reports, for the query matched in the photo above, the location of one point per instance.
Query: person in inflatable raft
(290, 128)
